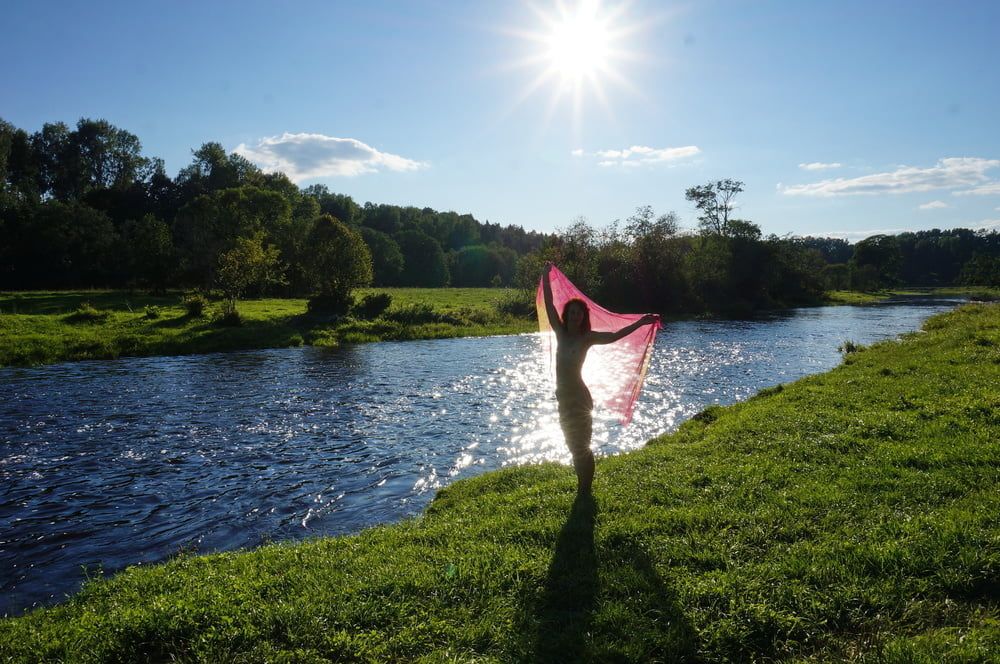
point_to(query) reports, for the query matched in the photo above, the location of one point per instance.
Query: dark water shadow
(606, 603)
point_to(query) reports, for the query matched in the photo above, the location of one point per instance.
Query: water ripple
(110, 464)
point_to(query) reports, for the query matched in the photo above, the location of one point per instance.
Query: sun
(579, 45)
(576, 52)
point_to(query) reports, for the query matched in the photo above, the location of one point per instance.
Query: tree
(338, 260)
(250, 264)
(149, 249)
(208, 226)
(387, 259)
(876, 261)
(423, 260)
(715, 201)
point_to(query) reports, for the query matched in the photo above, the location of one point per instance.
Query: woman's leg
(578, 428)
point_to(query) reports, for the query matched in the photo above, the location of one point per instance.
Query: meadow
(41, 327)
(851, 515)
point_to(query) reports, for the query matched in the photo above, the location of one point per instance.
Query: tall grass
(849, 516)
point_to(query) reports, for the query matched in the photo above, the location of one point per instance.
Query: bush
(85, 313)
(517, 303)
(336, 304)
(229, 316)
(195, 304)
(152, 313)
(372, 306)
(849, 347)
(416, 314)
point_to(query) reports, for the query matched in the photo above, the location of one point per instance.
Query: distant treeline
(83, 207)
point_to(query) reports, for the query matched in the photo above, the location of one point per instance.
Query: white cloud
(854, 236)
(819, 166)
(951, 173)
(577, 152)
(986, 224)
(305, 156)
(988, 189)
(933, 205)
(639, 155)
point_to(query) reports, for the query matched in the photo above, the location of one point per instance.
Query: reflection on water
(109, 464)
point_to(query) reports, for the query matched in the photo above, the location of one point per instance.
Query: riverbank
(847, 515)
(45, 327)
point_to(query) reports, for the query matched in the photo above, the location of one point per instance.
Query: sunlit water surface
(109, 464)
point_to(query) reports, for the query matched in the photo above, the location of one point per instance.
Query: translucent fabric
(613, 372)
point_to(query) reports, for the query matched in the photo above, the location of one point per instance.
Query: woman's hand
(649, 318)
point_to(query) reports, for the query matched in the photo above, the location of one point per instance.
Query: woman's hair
(585, 323)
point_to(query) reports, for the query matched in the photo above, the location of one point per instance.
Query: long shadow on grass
(607, 603)
(564, 612)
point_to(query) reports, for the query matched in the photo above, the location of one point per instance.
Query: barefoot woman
(574, 338)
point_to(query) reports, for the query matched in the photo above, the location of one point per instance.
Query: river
(106, 464)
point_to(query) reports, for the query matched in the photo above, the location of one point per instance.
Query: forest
(83, 207)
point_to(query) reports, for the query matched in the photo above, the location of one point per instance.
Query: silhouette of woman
(574, 338)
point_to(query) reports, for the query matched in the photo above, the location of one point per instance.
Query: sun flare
(577, 51)
(579, 45)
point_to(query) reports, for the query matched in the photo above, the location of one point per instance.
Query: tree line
(83, 207)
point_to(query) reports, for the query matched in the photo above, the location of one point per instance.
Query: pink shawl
(613, 372)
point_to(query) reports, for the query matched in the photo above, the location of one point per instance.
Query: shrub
(152, 312)
(336, 303)
(849, 347)
(416, 314)
(517, 303)
(86, 313)
(372, 306)
(229, 317)
(195, 304)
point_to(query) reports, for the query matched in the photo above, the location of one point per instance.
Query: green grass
(855, 297)
(45, 327)
(852, 515)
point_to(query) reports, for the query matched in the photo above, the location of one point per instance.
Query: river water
(106, 464)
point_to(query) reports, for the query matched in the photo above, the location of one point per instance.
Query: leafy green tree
(338, 259)
(208, 226)
(479, 266)
(981, 270)
(387, 258)
(423, 260)
(251, 264)
(66, 244)
(877, 261)
(714, 200)
(149, 249)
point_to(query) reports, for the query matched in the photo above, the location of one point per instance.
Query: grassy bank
(45, 327)
(981, 294)
(853, 515)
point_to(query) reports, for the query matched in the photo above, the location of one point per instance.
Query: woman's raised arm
(550, 309)
(597, 338)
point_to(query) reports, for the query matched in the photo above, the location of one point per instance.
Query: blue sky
(842, 118)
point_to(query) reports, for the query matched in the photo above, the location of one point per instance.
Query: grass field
(852, 515)
(40, 327)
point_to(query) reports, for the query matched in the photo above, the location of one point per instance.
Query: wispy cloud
(306, 156)
(854, 236)
(640, 155)
(933, 205)
(819, 166)
(967, 173)
(988, 189)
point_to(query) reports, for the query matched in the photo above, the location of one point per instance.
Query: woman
(574, 338)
